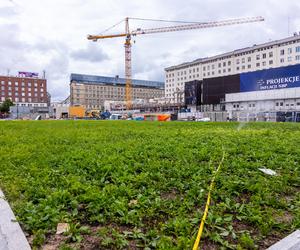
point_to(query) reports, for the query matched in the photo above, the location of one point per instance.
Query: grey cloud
(7, 11)
(92, 53)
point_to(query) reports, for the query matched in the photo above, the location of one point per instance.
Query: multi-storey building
(91, 91)
(24, 91)
(273, 54)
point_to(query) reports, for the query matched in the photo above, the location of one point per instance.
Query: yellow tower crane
(190, 26)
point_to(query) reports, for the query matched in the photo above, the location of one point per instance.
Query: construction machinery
(187, 26)
(94, 113)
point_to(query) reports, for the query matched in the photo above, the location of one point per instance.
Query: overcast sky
(50, 35)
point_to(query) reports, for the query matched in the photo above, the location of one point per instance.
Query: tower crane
(190, 26)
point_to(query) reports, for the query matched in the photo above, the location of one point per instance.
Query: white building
(287, 99)
(273, 54)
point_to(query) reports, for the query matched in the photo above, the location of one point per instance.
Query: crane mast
(127, 34)
(128, 70)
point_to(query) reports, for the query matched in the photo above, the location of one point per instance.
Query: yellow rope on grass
(197, 241)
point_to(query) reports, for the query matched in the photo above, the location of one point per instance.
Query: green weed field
(143, 185)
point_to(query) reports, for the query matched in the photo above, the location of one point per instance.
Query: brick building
(24, 91)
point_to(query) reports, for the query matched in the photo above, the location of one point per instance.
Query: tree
(4, 107)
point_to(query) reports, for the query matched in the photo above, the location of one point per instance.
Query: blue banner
(277, 78)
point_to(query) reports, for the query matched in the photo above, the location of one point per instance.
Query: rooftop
(295, 37)
(92, 79)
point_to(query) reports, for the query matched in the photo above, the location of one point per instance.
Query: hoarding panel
(192, 93)
(214, 89)
(277, 78)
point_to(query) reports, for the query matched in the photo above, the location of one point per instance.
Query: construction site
(155, 133)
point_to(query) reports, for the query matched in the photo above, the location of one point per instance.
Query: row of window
(23, 84)
(242, 60)
(277, 104)
(17, 99)
(22, 94)
(22, 89)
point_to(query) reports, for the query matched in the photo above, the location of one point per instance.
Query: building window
(237, 61)
(219, 65)
(243, 67)
(281, 104)
(289, 59)
(298, 49)
(229, 69)
(263, 63)
(290, 50)
(282, 60)
(249, 59)
(243, 60)
(219, 71)
(257, 64)
(264, 55)
(282, 52)
(224, 64)
(271, 62)
(297, 58)
(249, 66)
(224, 70)
(257, 57)
(237, 68)
(229, 63)
(271, 54)
(9, 83)
(16, 83)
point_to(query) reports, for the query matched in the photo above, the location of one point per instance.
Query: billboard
(277, 78)
(192, 93)
(214, 89)
(28, 74)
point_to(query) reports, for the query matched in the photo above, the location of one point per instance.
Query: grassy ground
(123, 184)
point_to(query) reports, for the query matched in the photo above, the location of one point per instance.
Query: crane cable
(145, 19)
(113, 26)
(211, 186)
(161, 20)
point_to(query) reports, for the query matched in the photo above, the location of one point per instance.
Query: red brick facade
(23, 90)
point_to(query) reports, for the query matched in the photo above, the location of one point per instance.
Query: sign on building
(277, 78)
(28, 74)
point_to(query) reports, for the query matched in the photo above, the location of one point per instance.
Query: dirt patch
(208, 245)
(286, 217)
(269, 241)
(171, 195)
